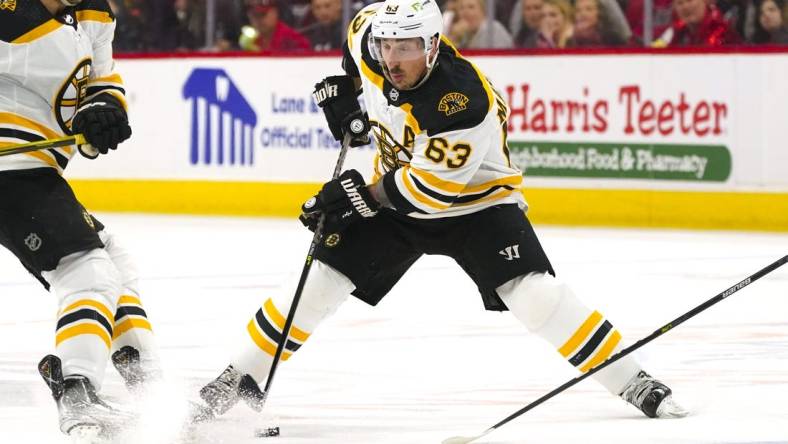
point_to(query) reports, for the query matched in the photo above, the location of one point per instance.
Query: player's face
(405, 61)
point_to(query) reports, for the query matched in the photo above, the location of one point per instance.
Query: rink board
(623, 140)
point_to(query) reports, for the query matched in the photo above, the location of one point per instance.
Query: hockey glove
(103, 122)
(337, 96)
(343, 201)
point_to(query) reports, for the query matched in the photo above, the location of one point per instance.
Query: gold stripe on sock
(90, 303)
(263, 343)
(279, 320)
(126, 299)
(83, 329)
(128, 324)
(581, 334)
(604, 352)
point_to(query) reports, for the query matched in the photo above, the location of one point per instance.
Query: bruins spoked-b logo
(332, 240)
(453, 102)
(8, 5)
(72, 94)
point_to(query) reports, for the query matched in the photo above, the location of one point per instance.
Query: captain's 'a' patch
(452, 103)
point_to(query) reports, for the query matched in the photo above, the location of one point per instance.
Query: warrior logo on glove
(355, 198)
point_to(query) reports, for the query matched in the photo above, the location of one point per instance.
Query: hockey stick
(662, 330)
(304, 274)
(76, 139)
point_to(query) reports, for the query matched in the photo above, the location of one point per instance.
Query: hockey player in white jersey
(58, 78)
(443, 184)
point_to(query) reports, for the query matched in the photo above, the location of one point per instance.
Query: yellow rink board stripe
(595, 207)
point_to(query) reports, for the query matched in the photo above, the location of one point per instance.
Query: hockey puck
(266, 432)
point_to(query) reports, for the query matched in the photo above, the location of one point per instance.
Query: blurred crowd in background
(319, 25)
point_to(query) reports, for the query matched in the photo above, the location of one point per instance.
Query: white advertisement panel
(709, 122)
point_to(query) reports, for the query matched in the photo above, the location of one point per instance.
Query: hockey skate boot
(131, 369)
(82, 413)
(652, 397)
(224, 392)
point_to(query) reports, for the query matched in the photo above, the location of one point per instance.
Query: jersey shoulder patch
(455, 96)
(19, 17)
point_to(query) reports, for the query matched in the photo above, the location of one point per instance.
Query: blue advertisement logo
(222, 120)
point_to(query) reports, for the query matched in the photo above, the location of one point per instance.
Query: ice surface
(428, 363)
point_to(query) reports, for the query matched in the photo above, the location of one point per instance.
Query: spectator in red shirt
(267, 32)
(699, 23)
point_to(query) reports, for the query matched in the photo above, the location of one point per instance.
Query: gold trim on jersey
(497, 194)
(38, 32)
(410, 119)
(458, 188)
(113, 79)
(38, 128)
(373, 77)
(16, 119)
(89, 15)
(418, 195)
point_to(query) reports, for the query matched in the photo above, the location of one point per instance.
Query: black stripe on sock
(592, 344)
(272, 332)
(85, 313)
(128, 311)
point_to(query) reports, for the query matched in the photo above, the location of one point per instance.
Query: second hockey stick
(76, 139)
(304, 273)
(659, 332)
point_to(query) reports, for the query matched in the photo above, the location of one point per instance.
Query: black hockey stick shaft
(304, 273)
(77, 139)
(659, 332)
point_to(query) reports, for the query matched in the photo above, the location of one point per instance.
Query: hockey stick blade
(657, 333)
(77, 139)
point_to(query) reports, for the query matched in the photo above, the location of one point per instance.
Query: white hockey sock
(324, 291)
(132, 326)
(87, 285)
(550, 309)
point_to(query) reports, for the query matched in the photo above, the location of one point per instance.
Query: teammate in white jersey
(443, 184)
(57, 79)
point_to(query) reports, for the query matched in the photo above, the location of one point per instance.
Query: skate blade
(87, 434)
(669, 409)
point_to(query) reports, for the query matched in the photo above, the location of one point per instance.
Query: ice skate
(224, 392)
(82, 414)
(652, 397)
(127, 362)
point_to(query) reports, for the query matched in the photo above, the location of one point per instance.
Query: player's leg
(344, 264)
(511, 253)
(134, 351)
(55, 238)
(324, 291)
